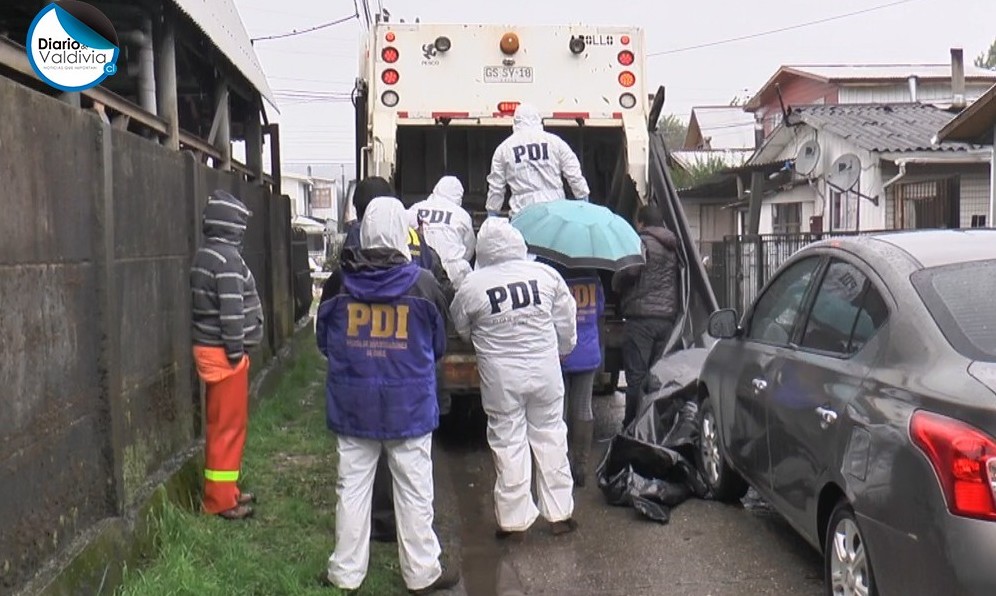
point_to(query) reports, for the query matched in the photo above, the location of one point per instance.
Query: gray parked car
(858, 397)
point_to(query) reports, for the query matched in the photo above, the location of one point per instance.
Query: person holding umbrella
(579, 238)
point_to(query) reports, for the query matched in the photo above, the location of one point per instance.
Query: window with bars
(927, 204)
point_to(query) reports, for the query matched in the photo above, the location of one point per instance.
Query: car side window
(776, 311)
(846, 313)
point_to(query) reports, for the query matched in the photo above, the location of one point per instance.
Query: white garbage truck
(437, 99)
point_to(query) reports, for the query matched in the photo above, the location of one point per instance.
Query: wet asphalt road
(706, 549)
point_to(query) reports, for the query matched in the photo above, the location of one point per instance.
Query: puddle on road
(486, 568)
(472, 475)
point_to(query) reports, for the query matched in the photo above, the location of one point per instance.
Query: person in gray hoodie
(227, 321)
(649, 304)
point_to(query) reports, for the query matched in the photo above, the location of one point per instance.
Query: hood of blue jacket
(378, 275)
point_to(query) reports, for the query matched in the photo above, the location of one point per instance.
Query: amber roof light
(509, 43)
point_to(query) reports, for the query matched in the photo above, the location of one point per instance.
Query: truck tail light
(627, 79)
(964, 459)
(390, 76)
(624, 40)
(390, 55)
(390, 37)
(390, 98)
(627, 100)
(507, 108)
(626, 58)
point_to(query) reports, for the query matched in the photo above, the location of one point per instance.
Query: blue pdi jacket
(382, 328)
(587, 290)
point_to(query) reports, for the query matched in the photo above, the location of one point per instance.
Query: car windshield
(960, 298)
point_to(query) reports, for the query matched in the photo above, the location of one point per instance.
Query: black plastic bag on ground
(650, 466)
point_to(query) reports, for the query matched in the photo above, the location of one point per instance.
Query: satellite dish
(808, 158)
(845, 172)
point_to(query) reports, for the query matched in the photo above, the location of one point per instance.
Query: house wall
(899, 92)
(815, 198)
(796, 92)
(709, 221)
(974, 195)
(296, 190)
(973, 188)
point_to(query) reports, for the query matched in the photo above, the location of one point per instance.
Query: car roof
(929, 248)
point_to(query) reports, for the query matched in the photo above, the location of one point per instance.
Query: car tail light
(389, 54)
(626, 57)
(507, 107)
(390, 76)
(627, 79)
(964, 459)
(390, 36)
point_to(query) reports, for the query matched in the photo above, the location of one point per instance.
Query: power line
(780, 30)
(308, 30)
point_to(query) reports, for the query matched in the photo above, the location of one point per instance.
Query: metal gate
(741, 265)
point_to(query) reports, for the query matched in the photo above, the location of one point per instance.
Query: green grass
(290, 464)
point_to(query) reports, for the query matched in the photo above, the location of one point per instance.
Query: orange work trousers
(227, 404)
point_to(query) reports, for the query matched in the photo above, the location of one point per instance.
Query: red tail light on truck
(390, 76)
(507, 108)
(626, 58)
(964, 459)
(390, 54)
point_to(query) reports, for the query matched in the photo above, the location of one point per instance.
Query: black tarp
(650, 465)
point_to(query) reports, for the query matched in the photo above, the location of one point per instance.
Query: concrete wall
(97, 389)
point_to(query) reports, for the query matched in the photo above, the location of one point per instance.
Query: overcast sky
(920, 31)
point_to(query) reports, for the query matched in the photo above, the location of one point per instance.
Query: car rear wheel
(848, 566)
(723, 481)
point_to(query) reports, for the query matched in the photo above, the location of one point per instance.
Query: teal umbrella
(578, 234)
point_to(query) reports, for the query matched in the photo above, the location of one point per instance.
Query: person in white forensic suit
(447, 227)
(521, 317)
(533, 164)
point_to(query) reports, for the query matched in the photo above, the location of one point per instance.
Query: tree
(987, 60)
(674, 131)
(697, 172)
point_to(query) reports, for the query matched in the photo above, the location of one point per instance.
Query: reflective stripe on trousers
(227, 413)
(411, 468)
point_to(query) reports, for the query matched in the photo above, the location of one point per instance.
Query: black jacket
(651, 290)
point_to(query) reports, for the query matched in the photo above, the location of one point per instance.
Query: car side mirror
(723, 324)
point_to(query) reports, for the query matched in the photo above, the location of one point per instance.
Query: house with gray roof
(902, 178)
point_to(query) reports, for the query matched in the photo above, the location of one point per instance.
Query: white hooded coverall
(520, 316)
(447, 227)
(532, 163)
(385, 225)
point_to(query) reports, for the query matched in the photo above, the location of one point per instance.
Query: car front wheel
(848, 566)
(723, 481)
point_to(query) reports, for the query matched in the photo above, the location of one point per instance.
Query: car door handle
(759, 385)
(827, 417)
